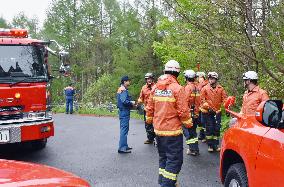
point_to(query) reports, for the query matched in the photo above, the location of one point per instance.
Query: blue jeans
(124, 118)
(69, 105)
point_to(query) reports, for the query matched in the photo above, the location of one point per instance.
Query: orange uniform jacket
(212, 98)
(193, 93)
(145, 94)
(252, 99)
(167, 107)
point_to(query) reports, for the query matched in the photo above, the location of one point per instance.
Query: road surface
(87, 147)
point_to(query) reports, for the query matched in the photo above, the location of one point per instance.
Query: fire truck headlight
(17, 95)
(36, 115)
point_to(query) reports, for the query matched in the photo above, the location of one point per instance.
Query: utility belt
(210, 111)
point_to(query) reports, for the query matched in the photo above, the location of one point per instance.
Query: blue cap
(124, 78)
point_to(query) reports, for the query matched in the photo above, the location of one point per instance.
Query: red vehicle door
(269, 168)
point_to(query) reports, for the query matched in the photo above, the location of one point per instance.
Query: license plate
(4, 136)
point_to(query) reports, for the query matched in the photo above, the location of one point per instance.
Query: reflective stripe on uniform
(206, 111)
(196, 95)
(187, 122)
(203, 110)
(200, 128)
(161, 171)
(149, 118)
(169, 175)
(192, 141)
(164, 99)
(215, 137)
(168, 133)
(210, 137)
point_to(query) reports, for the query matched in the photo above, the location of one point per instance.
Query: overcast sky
(10, 8)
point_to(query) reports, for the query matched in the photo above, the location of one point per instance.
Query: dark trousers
(124, 128)
(149, 129)
(69, 106)
(191, 135)
(170, 149)
(201, 126)
(213, 127)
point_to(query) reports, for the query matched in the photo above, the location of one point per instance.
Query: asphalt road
(87, 147)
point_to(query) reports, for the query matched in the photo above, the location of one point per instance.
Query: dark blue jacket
(69, 92)
(123, 101)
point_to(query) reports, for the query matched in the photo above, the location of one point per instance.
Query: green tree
(3, 23)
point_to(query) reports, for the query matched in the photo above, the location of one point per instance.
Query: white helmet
(149, 75)
(250, 75)
(213, 75)
(172, 65)
(189, 74)
(200, 74)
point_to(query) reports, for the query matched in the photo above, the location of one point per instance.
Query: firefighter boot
(148, 142)
(216, 148)
(192, 152)
(210, 149)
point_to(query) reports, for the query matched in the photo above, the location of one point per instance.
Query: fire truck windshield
(22, 61)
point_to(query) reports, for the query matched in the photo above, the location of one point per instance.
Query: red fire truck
(25, 112)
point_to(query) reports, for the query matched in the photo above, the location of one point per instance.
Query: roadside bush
(101, 91)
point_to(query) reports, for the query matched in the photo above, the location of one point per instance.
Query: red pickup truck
(252, 152)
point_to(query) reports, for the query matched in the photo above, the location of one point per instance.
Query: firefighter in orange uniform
(212, 97)
(143, 98)
(201, 83)
(201, 79)
(168, 110)
(193, 93)
(254, 94)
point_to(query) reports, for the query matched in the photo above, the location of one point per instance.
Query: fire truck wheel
(39, 144)
(236, 176)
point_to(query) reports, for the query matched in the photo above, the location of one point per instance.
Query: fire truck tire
(39, 144)
(236, 176)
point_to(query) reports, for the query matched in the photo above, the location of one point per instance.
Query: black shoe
(128, 148)
(127, 151)
(192, 152)
(148, 142)
(216, 148)
(66, 113)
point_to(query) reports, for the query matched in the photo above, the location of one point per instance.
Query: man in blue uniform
(69, 92)
(124, 105)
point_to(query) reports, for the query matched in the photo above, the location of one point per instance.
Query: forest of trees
(110, 38)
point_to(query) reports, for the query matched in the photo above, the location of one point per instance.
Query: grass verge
(134, 114)
(96, 112)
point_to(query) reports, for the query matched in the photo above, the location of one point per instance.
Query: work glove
(149, 120)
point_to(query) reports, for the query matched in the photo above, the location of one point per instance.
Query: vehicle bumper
(26, 131)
